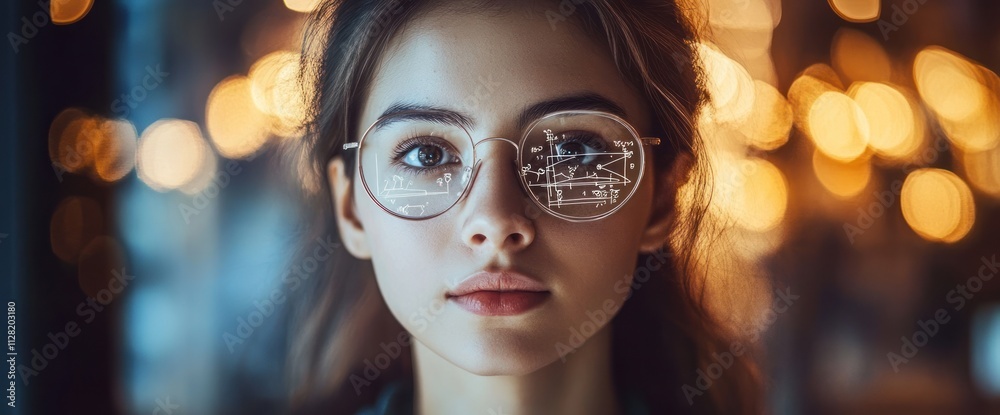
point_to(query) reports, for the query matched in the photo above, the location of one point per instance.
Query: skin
(467, 363)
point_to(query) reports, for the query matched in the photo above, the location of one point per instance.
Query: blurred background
(855, 145)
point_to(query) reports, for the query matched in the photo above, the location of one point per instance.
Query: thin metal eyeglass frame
(643, 141)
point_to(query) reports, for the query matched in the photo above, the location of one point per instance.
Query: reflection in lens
(580, 166)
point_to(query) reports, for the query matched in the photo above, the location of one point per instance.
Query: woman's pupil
(429, 155)
(570, 149)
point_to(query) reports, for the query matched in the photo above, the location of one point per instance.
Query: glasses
(576, 165)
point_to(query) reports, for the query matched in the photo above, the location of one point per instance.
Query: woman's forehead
(493, 65)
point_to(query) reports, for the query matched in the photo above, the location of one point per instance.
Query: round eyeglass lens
(580, 166)
(416, 168)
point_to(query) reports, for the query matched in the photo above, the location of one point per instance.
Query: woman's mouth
(503, 293)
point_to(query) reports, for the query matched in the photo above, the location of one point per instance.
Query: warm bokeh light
(981, 131)
(263, 77)
(302, 6)
(729, 84)
(896, 128)
(276, 90)
(843, 180)
(859, 57)
(235, 125)
(80, 142)
(67, 149)
(813, 82)
(171, 154)
(75, 222)
(115, 155)
(948, 83)
(752, 192)
(722, 141)
(748, 15)
(982, 168)
(65, 12)
(857, 11)
(824, 73)
(761, 67)
(771, 121)
(744, 29)
(838, 126)
(205, 176)
(938, 205)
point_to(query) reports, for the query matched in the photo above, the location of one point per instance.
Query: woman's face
(490, 67)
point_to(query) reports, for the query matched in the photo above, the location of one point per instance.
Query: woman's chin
(516, 365)
(501, 358)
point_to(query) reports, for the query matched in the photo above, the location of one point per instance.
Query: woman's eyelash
(591, 139)
(408, 144)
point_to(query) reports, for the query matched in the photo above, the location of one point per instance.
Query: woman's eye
(586, 153)
(426, 155)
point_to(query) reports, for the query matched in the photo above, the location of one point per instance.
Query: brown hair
(341, 318)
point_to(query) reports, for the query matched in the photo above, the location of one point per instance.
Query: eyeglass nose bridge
(478, 162)
(517, 148)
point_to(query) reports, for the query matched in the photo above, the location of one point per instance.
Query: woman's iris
(584, 153)
(424, 156)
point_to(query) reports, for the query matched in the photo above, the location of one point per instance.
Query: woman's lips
(504, 293)
(500, 303)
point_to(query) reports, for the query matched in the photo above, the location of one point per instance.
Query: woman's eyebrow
(402, 111)
(580, 101)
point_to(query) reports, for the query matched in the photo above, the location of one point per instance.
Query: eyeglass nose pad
(469, 175)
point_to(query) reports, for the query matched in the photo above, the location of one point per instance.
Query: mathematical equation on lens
(412, 191)
(567, 182)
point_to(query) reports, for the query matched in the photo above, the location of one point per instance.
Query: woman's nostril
(513, 239)
(516, 238)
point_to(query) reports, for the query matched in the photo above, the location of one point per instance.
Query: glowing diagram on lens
(566, 184)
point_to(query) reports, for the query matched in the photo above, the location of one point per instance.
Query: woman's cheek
(403, 270)
(418, 261)
(599, 268)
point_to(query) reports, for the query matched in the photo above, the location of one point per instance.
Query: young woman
(503, 176)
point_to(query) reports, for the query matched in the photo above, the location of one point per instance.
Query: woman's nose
(494, 212)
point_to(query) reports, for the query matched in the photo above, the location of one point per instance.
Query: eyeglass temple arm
(348, 146)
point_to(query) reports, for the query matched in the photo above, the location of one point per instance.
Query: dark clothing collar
(397, 399)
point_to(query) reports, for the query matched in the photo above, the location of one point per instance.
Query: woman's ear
(663, 218)
(352, 233)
